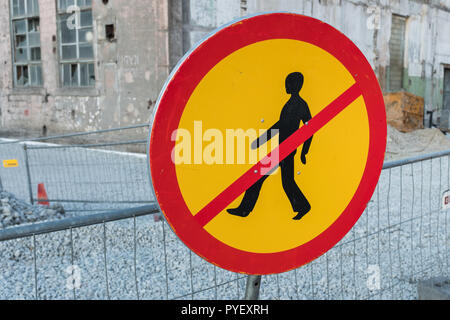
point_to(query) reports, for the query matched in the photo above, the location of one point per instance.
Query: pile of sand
(401, 145)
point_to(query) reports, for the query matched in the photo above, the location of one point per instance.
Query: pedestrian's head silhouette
(294, 82)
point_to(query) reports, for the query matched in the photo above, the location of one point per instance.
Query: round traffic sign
(267, 142)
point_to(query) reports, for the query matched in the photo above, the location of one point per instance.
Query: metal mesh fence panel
(401, 238)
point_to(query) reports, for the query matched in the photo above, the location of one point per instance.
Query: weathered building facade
(102, 63)
(109, 72)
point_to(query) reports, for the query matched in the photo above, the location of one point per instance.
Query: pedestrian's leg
(298, 200)
(249, 201)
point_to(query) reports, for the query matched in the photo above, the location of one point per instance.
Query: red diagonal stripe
(219, 203)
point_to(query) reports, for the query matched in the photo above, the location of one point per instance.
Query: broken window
(76, 37)
(446, 97)
(110, 32)
(396, 52)
(25, 31)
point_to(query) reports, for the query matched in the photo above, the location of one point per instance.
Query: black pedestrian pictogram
(295, 110)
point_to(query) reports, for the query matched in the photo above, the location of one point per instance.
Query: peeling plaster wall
(365, 22)
(130, 71)
(427, 51)
(203, 16)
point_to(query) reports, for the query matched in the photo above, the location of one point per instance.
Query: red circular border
(177, 92)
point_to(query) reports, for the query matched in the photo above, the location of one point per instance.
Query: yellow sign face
(245, 92)
(10, 163)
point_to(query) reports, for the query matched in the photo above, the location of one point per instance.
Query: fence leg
(252, 288)
(30, 191)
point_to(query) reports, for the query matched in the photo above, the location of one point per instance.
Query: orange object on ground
(42, 195)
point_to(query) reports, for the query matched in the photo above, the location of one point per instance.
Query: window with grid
(76, 43)
(26, 43)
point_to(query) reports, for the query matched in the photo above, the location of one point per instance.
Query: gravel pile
(14, 211)
(401, 238)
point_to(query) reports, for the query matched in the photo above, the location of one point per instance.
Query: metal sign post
(252, 288)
